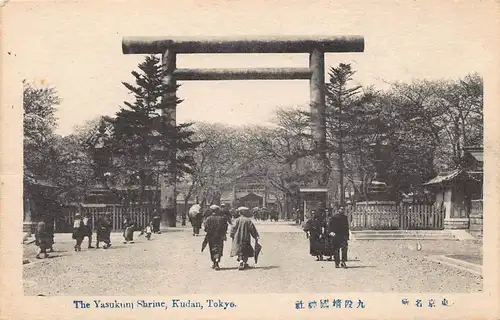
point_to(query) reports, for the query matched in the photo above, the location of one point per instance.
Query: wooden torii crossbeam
(169, 47)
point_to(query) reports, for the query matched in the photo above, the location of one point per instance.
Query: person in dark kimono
(103, 230)
(295, 215)
(274, 215)
(339, 229)
(42, 239)
(329, 249)
(226, 213)
(216, 229)
(241, 234)
(207, 213)
(50, 229)
(234, 214)
(314, 232)
(87, 222)
(256, 214)
(128, 232)
(156, 223)
(79, 231)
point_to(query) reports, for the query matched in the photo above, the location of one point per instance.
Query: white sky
(77, 49)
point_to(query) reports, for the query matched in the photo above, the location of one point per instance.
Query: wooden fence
(141, 215)
(396, 217)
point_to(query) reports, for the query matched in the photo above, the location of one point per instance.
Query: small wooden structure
(459, 189)
(313, 199)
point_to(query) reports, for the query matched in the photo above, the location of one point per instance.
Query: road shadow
(333, 261)
(250, 268)
(262, 267)
(359, 267)
(228, 268)
(171, 230)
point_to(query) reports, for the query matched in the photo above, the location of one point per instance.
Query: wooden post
(168, 201)
(317, 98)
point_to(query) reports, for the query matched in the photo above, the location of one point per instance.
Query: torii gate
(315, 46)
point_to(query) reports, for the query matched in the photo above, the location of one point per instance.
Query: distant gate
(396, 217)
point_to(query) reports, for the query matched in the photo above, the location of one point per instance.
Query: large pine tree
(143, 137)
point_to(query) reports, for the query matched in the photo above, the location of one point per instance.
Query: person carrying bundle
(196, 218)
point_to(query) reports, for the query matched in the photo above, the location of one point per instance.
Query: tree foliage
(143, 137)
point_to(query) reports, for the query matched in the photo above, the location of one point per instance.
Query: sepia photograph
(210, 152)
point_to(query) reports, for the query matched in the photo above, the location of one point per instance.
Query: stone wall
(456, 223)
(476, 219)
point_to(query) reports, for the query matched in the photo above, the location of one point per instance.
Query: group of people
(130, 226)
(264, 214)
(328, 235)
(216, 225)
(82, 228)
(197, 214)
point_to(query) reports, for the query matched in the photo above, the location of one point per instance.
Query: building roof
(476, 152)
(30, 178)
(443, 177)
(454, 175)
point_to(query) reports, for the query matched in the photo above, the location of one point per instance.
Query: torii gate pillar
(168, 192)
(317, 107)
(315, 46)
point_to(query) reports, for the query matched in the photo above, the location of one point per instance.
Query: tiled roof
(443, 177)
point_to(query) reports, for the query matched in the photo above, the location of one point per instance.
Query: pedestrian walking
(156, 223)
(339, 230)
(42, 239)
(226, 213)
(207, 212)
(241, 234)
(78, 231)
(235, 214)
(314, 232)
(128, 232)
(296, 215)
(103, 231)
(51, 231)
(329, 249)
(87, 223)
(149, 230)
(256, 213)
(216, 229)
(274, 215)
(195, 218)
